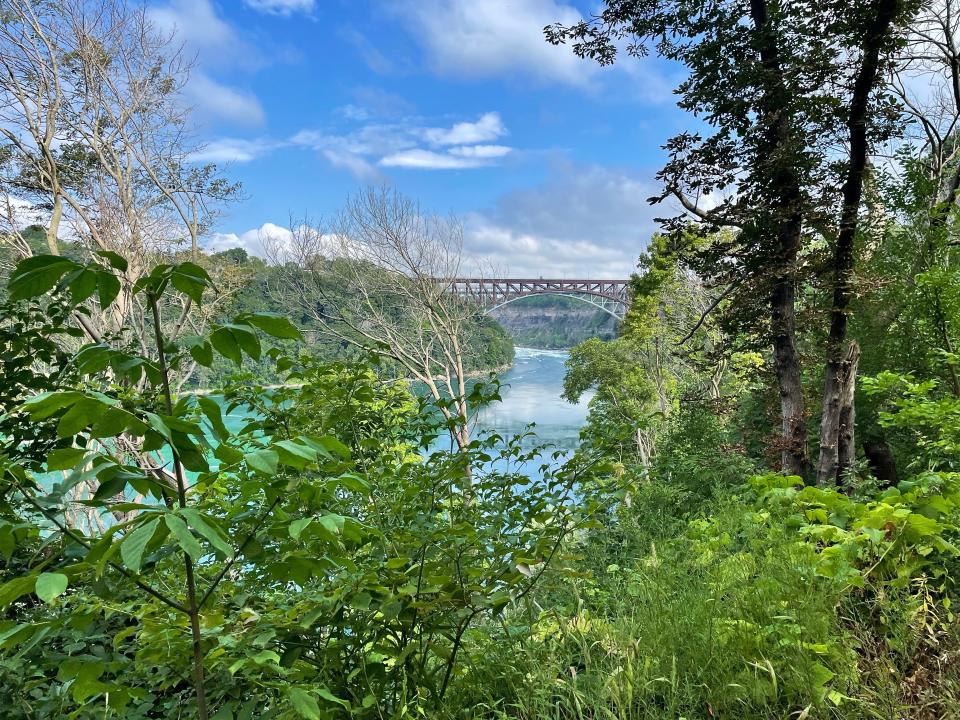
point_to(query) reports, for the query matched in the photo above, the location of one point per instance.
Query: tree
(780, 85)
(379, 280)
(98, 135)
(837, 441)
(669, 352)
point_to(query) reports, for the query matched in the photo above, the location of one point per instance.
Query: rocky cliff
(553, 322)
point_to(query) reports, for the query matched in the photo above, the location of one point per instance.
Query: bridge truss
(611, 296)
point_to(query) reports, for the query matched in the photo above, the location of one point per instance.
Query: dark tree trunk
(844, 250)
(881, 460)
(793, 449)
(787, 228)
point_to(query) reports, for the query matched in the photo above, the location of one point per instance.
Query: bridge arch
(610, 296)
(613, 308)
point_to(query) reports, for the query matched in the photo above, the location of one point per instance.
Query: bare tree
(927, 81)
(91, 108)
(99, 139)
(380, 280)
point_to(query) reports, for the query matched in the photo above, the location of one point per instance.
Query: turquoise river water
(532, 395)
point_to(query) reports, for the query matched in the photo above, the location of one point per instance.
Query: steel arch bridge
(611, 296)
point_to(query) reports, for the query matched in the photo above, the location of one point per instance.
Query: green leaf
(333, 445)
(185, 539)
(115, 421)
(305, 704)
(82, 285)
(200, 350)
(108, 287)
(80, 416)
(134, 544)
(36, 275)
(330, 697)
(298, 526)
(263, 462)
(211, 408)
(65, 458)
(191, 280)
(246, 339)
(15, 589)
(87, 683)
(226, 344)
(154, 283)
(115, 260)
(50, 586)
(274, 324)
(46, 404)
(295, 454)
(207, 529)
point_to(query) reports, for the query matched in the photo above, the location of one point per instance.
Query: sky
(547, 159)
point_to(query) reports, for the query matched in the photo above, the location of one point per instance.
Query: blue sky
(459, 103)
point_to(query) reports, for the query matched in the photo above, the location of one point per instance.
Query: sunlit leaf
(49, 586)
(134, 544)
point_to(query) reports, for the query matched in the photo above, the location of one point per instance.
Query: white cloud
(488, 127)
(369, 140)
(254, 241)
(591, 221)
(402, 145)
(282, 7)
(482, 39)
(481, 151)
(233, 150)
(219, 49)
(196, 24)
(354, 164)
(587, 221)
(212, 99)
(378, 101)
(360, 151)
(429, 160)
(371, 53)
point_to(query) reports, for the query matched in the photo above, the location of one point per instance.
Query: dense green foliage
(307, 560)
(247, 284)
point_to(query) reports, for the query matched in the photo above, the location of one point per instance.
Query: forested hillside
(261, 287)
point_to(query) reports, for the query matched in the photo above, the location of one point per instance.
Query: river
(531, 392)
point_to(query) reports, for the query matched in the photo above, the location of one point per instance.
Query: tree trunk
(837, 447)
(53, 230)
(787, 206)
(844, 250)
(793, 450)
(846, 440)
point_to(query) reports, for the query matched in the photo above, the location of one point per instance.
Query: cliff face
(554, 326)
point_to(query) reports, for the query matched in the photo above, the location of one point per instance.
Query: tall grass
(726, 619)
